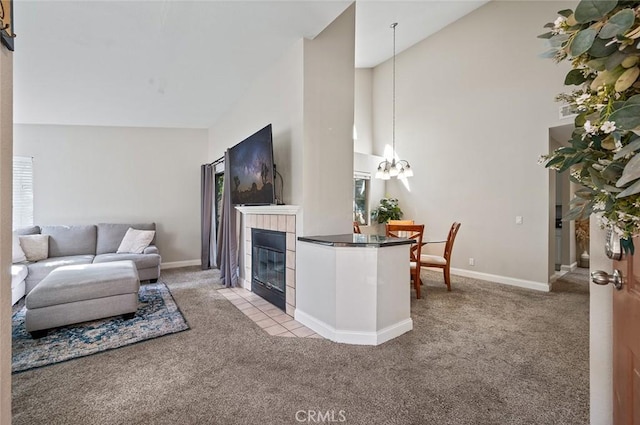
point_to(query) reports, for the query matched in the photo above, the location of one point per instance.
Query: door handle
(600, 277)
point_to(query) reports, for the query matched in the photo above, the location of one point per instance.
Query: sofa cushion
(18, 285)
(35, 247)
(71, 240)
(142, 261)
(111, 234)
(70, 284)
(39, 270)
(18, 273)
(30, 230)
(18, 255)
(135, 241)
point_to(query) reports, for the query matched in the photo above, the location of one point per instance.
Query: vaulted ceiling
(181, 63)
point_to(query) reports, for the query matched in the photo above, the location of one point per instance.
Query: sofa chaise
(82, 244)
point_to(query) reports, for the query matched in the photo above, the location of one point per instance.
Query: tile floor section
(269, 317)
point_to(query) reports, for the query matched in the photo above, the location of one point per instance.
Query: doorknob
(600, 277)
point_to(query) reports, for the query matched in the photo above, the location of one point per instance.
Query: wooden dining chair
(403, 234)
(401, 222)
(442, 262)
(356, 227)
(415, 232)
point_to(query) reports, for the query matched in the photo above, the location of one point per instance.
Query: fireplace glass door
(269, 265)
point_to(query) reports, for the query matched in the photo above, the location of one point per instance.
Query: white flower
(557, 25)
(600, 206)
(589, 129)
(608, 127)
(582, 98)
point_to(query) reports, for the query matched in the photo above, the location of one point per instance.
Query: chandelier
(393, 168)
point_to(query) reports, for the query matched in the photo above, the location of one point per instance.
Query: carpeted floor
(482, 354)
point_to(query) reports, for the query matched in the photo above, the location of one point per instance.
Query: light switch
(518, 219)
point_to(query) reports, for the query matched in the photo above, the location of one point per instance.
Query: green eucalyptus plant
(387, 210)
(601, 39)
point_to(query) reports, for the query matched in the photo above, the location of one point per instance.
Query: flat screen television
(252, 170)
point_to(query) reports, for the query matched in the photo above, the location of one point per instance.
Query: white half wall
(474, 104)
(85, 175)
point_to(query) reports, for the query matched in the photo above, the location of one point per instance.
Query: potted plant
(601, 39)
(387, 210)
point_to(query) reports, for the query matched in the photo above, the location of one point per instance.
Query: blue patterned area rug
(157, 315)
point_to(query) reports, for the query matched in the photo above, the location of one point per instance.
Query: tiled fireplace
(278, 218)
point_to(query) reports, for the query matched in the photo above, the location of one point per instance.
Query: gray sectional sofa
(83, 244)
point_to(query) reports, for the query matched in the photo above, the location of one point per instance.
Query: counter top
(356, 240)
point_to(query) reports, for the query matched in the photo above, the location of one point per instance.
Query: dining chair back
(443, 262)
(403, 234)
(401, 222)
(415, 232)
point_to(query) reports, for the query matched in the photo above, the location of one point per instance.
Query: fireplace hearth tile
(302, 331)
(292, 325)
(282, 318)
(266, 323)
(256, 317)
(269, 318)
(244, 306)
(275, 330)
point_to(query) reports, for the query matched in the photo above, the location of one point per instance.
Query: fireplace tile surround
(282, 218)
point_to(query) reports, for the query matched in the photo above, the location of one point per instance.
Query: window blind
(22, 191)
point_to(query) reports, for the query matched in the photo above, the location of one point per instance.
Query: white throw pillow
(35, 247)
(18, 253)
(135, 241)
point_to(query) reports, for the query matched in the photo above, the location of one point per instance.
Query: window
(361, 198)
(22, 191)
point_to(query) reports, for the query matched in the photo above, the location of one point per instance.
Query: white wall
(85, 175)
(363, 110)
(474, 106)
(327, 175)
(308, 97)
(276, 98)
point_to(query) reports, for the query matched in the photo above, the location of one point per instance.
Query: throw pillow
(18, 253)
(135, 241)
(35, 247)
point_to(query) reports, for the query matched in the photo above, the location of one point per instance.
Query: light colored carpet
(482, 354)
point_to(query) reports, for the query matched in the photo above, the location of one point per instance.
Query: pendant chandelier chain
(393, 122)
(391, 167)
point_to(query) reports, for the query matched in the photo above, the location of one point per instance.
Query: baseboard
(353, 337)
(178, 264)
(521, 283)
(571, 267)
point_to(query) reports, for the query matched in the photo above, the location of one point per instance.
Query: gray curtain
(207, 222)
(228, 235)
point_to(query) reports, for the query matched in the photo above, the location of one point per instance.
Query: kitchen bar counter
(356, 240)
(353, 288)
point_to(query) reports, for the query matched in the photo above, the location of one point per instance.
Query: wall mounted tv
(252, 170)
